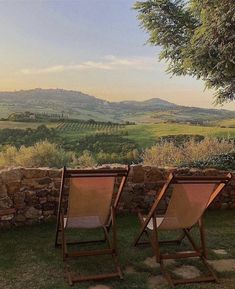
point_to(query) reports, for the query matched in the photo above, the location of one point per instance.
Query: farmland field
(228, 123)
(23, 125)
(106, 141)
(146, 134)
(143, 135)
(83, 126)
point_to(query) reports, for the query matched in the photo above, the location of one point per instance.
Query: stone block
(48, 213)
(33, 213)
(3, 191)
(12, 175)
(48, 206)
(5, 203)
(6, 217)
(42, 193)
(13, 187)
(55, 173)
(9, 211)
(20, 205)
(211, 172)
(42, 200)
(138, 189)
(138, 174)
(31, 173)
(20, 218)
(153, 175)
(36, 183)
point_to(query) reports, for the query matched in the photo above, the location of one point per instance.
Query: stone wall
(29, 195)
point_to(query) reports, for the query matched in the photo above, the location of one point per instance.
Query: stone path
(129, 270)
(187, 272)
(223, 265)
(155, 281)
(220, 252)
(151, 262)
(100, 287)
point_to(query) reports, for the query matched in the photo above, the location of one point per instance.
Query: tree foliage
(197, 38)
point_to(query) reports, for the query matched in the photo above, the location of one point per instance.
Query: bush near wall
(209, 152)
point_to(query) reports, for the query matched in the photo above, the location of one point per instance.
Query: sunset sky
(94, 46)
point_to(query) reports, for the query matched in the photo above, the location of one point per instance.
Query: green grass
(146, 134)
(29, 260)
(228, 122)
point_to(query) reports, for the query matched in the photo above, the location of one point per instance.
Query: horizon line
(117, 101)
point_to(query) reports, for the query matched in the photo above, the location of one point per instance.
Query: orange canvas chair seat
(91, 205)
(188, 202)
(190, 197)
(89, 202)
(89, 222)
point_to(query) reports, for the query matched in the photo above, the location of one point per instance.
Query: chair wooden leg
(202, 236)
(112, 250)
(63, 240)
(137, 239)
(114, 242)
(154, 240)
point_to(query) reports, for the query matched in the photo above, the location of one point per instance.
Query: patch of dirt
(223, 265)
(187, 272)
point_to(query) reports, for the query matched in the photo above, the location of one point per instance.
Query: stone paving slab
(155, 282)
(223, 265)
(151, 262)
(187, 272)
(100, 286)
(220, 252)
(129, 270)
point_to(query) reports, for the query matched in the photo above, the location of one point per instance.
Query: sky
(94, 46)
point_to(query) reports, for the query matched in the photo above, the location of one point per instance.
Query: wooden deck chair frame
(199, 251)
(111, 223)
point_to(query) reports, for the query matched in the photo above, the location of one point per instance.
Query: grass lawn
(146, 134)
(228, 122)
(28, 259)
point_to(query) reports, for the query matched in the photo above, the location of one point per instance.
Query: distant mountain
(83, 106)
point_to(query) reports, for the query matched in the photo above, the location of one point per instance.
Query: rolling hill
(83, 106)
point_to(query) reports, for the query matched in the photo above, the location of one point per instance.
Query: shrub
(180, 139)
(42, 154)
(85, 160)
(170, 154)
(223, 161)
(163, 154)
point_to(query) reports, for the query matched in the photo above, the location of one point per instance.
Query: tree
(197, 38)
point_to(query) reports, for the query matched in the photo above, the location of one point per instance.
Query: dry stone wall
(29, 195)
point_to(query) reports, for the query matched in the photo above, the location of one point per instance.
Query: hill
(83, 106)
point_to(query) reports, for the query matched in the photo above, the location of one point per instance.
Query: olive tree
(197, 38)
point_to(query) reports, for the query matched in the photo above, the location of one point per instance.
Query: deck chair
(91, 204)
(190, 197)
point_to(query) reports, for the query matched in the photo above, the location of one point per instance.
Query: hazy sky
(95, 46)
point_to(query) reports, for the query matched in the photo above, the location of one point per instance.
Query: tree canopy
(197, 38)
